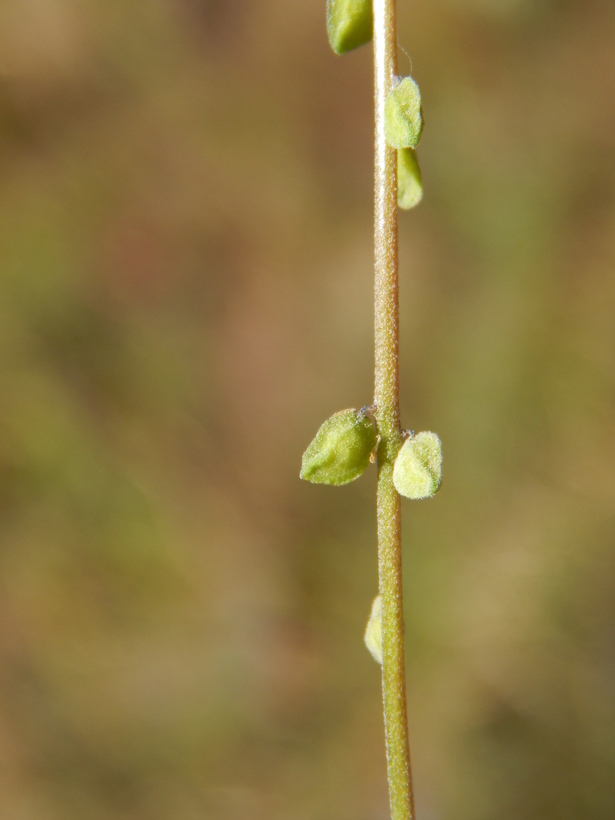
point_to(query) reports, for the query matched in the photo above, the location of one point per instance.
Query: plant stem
(387, 418)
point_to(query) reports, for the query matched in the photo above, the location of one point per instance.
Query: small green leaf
(373, 633)
(349, 24)
(409, 179)
(418, 467)
(403, 117)
(340, 450)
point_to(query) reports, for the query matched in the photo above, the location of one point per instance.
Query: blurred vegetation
(185, 294)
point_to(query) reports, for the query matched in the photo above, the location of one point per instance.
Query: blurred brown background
(185, 295)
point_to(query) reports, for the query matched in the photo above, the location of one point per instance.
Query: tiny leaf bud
(409, 179)
(403, 117)
(349, 24)
(340, 450)
(373, 633)
(418, 467)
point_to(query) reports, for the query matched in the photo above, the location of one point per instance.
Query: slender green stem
(387, 417)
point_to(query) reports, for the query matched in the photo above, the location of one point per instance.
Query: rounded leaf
(409, 179)
(349, 24)
(340, 450)
(373, 633)
(418, 467)
(403, 117)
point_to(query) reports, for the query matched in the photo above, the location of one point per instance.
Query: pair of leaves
(403, 125)
(350, 25)
(345, 445)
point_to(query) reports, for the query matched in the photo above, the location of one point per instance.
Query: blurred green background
(185, 295)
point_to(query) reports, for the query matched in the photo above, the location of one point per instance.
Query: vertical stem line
(387, 417)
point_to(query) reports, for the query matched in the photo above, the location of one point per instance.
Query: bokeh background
(185, 295)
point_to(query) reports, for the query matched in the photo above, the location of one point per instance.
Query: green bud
(373, 633)
(340, 450)
(409, 179)
(418, 467)
(403, 117)
(349, 24)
